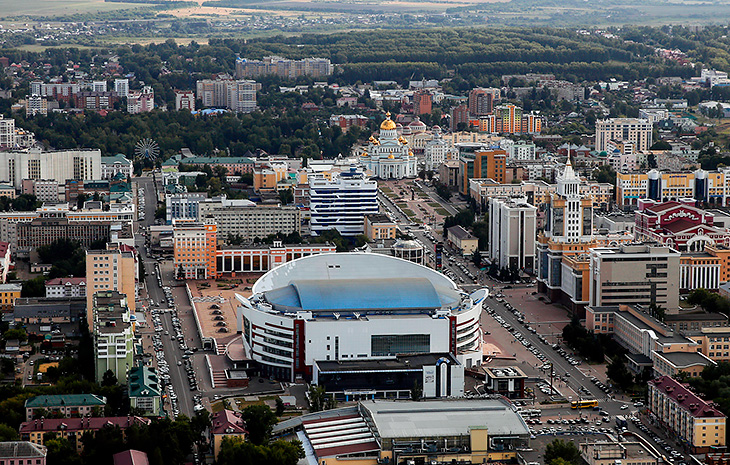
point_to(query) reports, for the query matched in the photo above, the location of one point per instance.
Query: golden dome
(388, 124)
(410, 153)
(364, 154)
(391, 156)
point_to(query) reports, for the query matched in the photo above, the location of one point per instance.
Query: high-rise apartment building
(290, 69)
(341, 202)
(110, 270)
(141, 101)
(36, 105)
(638, 131)
(481, 101)
(459, 114)
(121, 87)
(195, 245)
(7, 132)
(184, 100)
(422, 102)
(512, 233)
(236, 95)
(113, 335)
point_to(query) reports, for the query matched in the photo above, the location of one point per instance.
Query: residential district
(472, 293)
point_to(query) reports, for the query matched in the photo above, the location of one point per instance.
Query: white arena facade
(355, 306)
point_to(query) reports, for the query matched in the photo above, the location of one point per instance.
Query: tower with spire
(570, 213)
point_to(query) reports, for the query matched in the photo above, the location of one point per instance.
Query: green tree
(279, 407)
(605, 174)
(286, 196)
(109, 378)
(618, 373)
(17, 333)
(559, 449)
(316, 398)
(8, 433)
(35, 287)
(260, 420)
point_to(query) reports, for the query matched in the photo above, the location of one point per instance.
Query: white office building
(183, 206)
(355, 306)
(61, 165)
(512, 233)
(341, 202)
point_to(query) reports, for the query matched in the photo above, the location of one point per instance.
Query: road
(171, 348)
(578, 376)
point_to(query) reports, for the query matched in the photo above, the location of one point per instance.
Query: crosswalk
(209, 298)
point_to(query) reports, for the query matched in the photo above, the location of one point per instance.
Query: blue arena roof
(356, 294)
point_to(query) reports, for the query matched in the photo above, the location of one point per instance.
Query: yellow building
(8, 294)
(225, 424)
(267, 176)
(694, 421)
(723, 254)
(110, 270)
(713, 342)
(462, 240)
(379, 227)
(195, 246)
(74, 429)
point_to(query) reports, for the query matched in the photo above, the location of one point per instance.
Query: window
(382, 345)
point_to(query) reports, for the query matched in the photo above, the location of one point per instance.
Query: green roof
(65, 400)
(143, 382)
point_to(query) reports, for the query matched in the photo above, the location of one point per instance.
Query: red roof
(350, 449)
(131, 457)
(228, 422)
(680, 225)
(80, 424)
(685, 398)
(664, 206)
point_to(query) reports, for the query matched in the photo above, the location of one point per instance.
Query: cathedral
(389, 157)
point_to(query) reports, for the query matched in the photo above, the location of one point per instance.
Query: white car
(624, 407)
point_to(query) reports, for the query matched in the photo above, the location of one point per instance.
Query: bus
(584, 403)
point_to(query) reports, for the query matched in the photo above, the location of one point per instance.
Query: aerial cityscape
(364, 233)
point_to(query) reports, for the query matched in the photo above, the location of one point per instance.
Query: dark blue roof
(357, 294)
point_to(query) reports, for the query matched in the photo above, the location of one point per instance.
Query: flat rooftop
(400, 362)
(443, 418)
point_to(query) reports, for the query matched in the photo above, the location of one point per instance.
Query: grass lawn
(409, 213)
(434, 204)
(217, 406)
(385, 190)
(442, 212)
